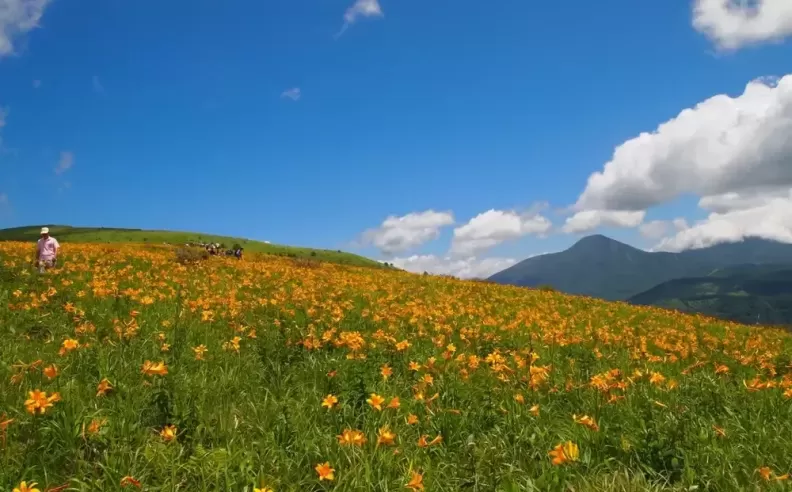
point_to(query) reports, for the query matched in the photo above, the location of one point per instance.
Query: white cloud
(65, 163)
(728, 202)
(588, 220)
(493, 227)
(362, 8)
(732, 24)
(680, 224)
(766, 216)
(722, 145)
(654, 229)
(457, 267)
(18, 17)
(399, 234)
(294, 94)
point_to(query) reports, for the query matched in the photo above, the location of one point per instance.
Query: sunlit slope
(306, 376)
(114, 235)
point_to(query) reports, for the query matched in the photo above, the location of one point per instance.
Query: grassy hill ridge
(69, 234)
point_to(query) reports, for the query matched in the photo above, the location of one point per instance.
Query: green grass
(68, 234)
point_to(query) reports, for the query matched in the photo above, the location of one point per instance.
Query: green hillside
(747, 294)
(67, 234)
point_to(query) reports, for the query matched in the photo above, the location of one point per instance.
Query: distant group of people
(217, 249)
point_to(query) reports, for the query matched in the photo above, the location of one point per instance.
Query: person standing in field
(46, 251)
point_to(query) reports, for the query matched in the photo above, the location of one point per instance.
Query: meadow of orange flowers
(124, 370)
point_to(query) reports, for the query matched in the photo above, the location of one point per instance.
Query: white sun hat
(45, 230)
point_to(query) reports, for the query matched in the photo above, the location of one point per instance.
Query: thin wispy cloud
(5, 205)
(3, 116)
(360, 9)
(294, 94)
(36, 84)
(65, 162)
(97, 85)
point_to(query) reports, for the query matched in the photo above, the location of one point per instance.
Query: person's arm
(38, 250)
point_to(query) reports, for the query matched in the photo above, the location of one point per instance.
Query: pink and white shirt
(48, 248)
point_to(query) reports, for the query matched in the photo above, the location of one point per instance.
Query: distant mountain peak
(599, 242)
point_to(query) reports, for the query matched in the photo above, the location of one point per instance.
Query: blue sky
(176, 115)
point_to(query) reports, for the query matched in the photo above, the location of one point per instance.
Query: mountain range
(746, 281)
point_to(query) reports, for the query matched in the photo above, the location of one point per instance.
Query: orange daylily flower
(103, 387)
(68, 345)
(154, 368)
(416, 482)
(51, 371)
(25, 487)
(38, 401)
(376, 401)
(352, 437)
(385, 436)
(199, 351)
(564, 453)
(127, 481)
(168, 433)
(587, 421)
(325, 472)
(329, 401)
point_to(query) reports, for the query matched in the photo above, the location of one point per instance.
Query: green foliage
(747, 294)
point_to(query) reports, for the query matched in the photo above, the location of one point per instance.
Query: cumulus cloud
(588, 220)
(493, 227)
(732, 24)
(400, 234)
(458, 267)
(724, 144)
(65, 162)
(17, 17)
(734, 218)
(294, 94)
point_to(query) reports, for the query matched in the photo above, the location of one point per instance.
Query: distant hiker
(46, 251)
